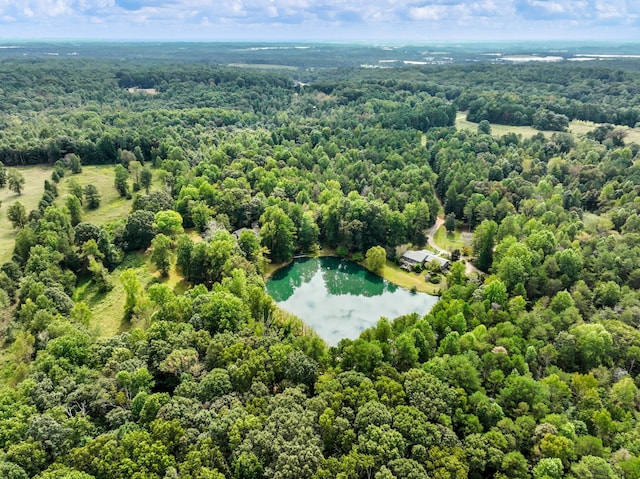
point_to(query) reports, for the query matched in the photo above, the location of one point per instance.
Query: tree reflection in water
(347, 277)
(339, 298)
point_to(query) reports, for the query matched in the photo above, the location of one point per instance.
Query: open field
(498, 130)
(581, 128)
(263, 66)
(108, 308)
(30, 197)
(144, 91)
(578, 128)
(112, 206)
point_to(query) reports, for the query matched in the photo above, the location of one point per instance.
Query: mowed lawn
(408, 280)
(448, 241)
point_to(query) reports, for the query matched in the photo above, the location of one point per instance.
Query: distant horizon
(7, 42)
(415, 22)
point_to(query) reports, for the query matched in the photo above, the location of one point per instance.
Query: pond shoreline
(339, 299)
(391, 273)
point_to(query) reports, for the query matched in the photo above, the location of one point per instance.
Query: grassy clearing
(448, 241)
(143, 91)
(405, 279)
(194, 235)
(33, 188)
(580, 128)
(498, 130)
(112, 206)
(108, 308)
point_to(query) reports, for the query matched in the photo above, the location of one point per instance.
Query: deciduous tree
(3, 175)
(92, 196)
(17, 214)
(168, 222)
(278, 233)
(450, 222)
(138, 231)
(75, 209)
(376, 258)
(121, 180)
(146, 178)
(15, 181)
(75, 164)
(132, 289)
(161, 253)
(483, 243)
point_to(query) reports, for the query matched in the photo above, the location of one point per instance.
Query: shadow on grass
(132, 260)
(106, 307)
(87, 292)
(181, 287)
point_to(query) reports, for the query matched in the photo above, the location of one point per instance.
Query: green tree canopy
(376, 258)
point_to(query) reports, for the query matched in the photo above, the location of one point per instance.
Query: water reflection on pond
(339, 299)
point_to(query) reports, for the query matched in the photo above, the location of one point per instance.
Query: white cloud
(429, 12)
(608, 12)
(551, 7)
(462, 13)
(471, 17)
(611, 10)
(85, 5)
(50, 8)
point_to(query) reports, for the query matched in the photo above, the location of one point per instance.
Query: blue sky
(417, 21)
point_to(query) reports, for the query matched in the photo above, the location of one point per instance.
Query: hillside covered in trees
(527, 368)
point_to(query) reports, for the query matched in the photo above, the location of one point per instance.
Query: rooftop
(423, 256)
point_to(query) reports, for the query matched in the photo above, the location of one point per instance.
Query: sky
(402, 21)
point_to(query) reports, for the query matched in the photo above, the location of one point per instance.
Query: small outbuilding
(411, 258)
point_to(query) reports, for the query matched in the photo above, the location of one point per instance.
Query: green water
(339, 299)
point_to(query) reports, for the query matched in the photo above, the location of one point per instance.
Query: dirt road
(431, 232)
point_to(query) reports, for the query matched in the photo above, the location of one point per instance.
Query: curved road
(431, 232)
(469, 268)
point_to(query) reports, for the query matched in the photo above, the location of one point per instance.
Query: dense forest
(527, 368)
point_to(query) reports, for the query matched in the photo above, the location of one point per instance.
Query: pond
(339, 299)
